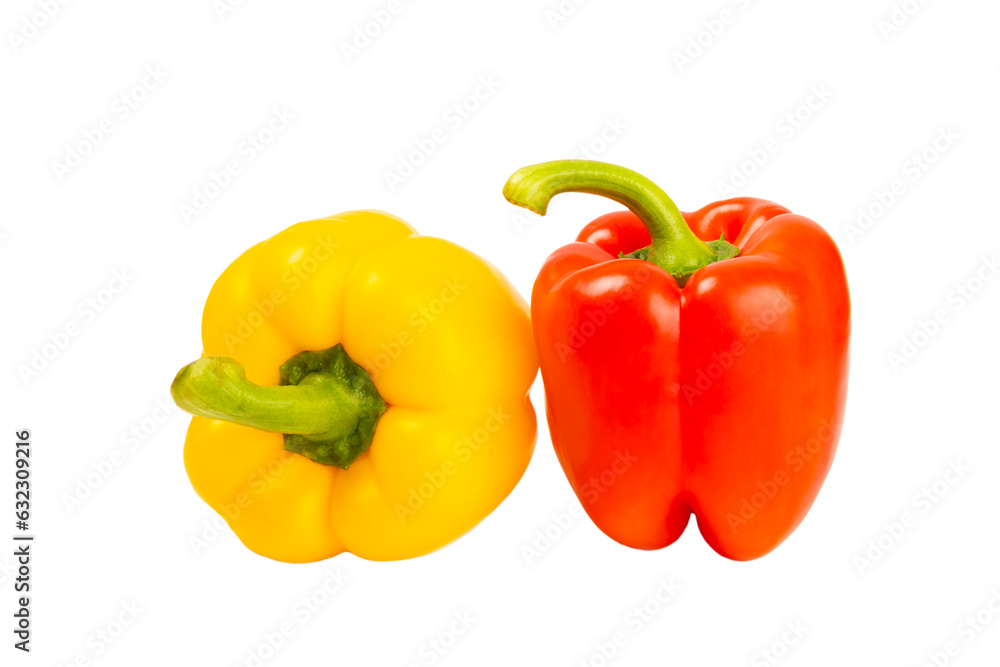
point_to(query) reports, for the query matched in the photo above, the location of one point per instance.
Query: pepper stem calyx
(674, 247)
(326, 405)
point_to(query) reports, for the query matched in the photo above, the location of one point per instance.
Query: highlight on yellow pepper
(362, 388)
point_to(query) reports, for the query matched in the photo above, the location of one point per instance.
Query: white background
(608, 65)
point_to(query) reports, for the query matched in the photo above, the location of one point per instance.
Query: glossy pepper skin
(717, 391)
(437, 331)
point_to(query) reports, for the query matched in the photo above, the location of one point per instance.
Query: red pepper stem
(674, 247)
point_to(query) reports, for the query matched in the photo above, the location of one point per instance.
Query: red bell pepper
(684, 373)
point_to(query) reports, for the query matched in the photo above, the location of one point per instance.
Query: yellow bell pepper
(362, 389)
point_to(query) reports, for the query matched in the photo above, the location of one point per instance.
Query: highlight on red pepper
(693, 363)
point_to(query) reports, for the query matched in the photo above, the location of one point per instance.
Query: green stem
(673, 247)
(326, 406)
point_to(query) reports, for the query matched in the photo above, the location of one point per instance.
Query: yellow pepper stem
(327, 406)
